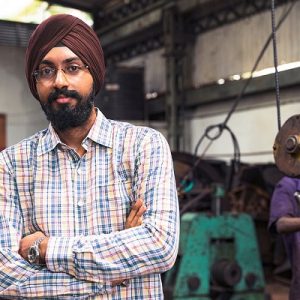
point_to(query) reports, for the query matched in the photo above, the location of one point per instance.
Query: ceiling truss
(205, 17)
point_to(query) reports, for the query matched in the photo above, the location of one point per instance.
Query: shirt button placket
(80, 197)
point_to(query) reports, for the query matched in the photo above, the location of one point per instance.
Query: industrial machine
(286, 147)
(218, 259)
(219, 256)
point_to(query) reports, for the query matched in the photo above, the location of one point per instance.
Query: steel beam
(86, 5)
(173, 41)
(217, 13)
(130, 29)
(139, 44)
(196, 20)
(116, 19)
(227, 92)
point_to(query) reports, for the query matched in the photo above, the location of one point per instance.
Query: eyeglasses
(48, 73)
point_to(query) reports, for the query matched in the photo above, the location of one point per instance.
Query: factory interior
(221, 81)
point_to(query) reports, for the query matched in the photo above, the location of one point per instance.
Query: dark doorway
(2, 131)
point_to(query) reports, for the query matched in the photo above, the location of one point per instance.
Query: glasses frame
(36, 73)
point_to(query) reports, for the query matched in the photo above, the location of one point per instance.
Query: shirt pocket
(110, 205)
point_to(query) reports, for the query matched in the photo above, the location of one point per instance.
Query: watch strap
(35, 247)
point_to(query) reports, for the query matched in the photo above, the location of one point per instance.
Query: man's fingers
(138, 218)
(138, 203)
(134, 210)
(137, 211)
(141, 211)
(139, 222)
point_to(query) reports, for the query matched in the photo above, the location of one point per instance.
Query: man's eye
(72, 69)
(46, 71)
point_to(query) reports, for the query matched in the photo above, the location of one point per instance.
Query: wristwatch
(33, 255)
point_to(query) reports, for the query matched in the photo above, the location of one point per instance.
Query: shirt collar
(48, 141)
(101, 133)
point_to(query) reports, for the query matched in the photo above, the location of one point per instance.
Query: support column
(173, 42)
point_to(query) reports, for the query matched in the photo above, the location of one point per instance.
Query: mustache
(63, 92)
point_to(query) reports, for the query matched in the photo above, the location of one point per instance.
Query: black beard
(67, 117)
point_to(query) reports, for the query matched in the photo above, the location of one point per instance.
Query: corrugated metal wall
(228, 50)
(234, 48)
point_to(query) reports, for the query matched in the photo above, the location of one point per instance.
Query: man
(65, 192)
(285, 220)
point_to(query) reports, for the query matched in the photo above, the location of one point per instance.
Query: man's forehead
(60, 54)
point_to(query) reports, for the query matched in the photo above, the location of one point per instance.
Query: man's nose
(60, 79)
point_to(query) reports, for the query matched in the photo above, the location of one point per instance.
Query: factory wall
(154, 70)
(227, 50)
(234, 48)
(23, 114)
(254, 125)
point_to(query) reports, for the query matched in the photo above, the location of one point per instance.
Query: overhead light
(151, 95)
(271, 70)
(112, 87)
(236, 77)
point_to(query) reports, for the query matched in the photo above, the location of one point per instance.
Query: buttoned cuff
(59, 254)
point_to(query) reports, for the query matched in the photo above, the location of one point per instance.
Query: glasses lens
(45, 73)
(48, 73)
(73, 70)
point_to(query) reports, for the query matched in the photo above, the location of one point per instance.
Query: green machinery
(218, 259)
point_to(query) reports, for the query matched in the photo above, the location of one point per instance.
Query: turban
(72, 33)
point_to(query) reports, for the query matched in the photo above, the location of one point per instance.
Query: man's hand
(135, 216)
(28, 241)
(134, 219)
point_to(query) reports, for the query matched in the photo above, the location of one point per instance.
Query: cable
(275, 64)
(235, 162)
(282, 19)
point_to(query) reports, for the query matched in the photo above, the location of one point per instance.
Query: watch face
(33, 254)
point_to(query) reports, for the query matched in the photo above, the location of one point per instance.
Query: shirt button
(80, 202)
(79, 171)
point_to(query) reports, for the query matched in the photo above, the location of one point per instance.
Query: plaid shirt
(81, 203)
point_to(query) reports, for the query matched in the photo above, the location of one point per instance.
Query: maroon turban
(74, 34)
